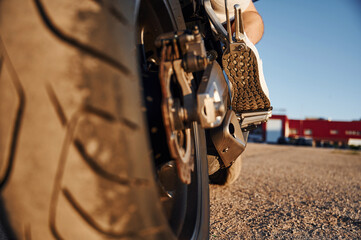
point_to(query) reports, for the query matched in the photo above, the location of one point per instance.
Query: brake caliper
(183, 53)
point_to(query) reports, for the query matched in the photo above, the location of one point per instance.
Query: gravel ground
(290, 192)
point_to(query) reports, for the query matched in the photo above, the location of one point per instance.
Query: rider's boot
(250, 95)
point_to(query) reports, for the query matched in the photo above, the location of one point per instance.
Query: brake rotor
(179, 137)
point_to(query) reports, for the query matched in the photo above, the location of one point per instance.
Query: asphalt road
(288, 192)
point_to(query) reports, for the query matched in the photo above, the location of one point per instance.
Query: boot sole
(242, 70)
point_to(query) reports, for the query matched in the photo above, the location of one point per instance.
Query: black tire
(74, 156)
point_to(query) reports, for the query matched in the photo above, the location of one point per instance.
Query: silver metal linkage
(229, 29)
(238, 21)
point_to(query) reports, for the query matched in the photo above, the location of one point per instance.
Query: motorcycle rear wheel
(75, 158)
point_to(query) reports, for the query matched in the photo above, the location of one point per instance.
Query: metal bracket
(212, 97)
(229, 139)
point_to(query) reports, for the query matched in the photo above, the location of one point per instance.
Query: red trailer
(320, 131)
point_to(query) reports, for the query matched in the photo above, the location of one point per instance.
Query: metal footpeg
(251, 119)
(229, 139)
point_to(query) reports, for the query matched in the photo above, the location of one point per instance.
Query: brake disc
(178, 135)
(183, 53)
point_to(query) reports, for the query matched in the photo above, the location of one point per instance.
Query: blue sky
(311, 52)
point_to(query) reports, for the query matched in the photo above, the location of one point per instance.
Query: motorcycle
(111, 112)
